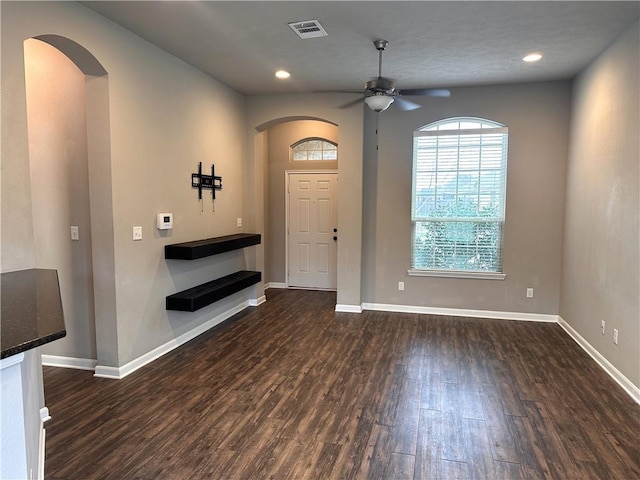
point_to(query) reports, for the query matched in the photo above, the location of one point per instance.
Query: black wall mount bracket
(200, 181)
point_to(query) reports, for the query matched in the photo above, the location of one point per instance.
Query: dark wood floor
(293, 390)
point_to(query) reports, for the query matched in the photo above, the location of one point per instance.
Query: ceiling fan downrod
(380, 46)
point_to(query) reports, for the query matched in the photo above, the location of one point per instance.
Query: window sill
(457, 274)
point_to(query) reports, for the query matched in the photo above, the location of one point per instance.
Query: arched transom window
(314, 149)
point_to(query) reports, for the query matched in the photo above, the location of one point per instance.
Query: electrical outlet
(615, 336)
(401, 286)
(137, 233)
(75, 233)
(529, 292)
(602, 327)
(239, 222)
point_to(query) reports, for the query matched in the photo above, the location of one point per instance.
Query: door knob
(335, 230)
(335, 238)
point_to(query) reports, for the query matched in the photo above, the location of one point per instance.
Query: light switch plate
(75, 233)
(137, 233)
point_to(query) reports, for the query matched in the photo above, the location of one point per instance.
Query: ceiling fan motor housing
(380, 85)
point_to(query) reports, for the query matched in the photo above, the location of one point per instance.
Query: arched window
(314, 149)
(458, 197)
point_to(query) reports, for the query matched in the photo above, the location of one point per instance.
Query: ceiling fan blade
(351, 103)
(427, 92)
(359, 91)
(404, 104)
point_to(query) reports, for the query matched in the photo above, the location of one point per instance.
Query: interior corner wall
(165, 117)
(370, 206)
(256, 192)
(281, 137)
(17, 243)
(601, 267)
(537, 115)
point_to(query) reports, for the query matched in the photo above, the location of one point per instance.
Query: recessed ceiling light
(532, 57)
(282, 74)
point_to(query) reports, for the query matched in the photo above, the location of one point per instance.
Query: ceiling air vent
(308, 29)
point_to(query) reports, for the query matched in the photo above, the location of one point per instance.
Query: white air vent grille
(308, 29)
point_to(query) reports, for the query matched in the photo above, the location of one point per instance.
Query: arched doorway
(68, 126)
(279, 165)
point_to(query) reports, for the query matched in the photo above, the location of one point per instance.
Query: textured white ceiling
(432, 44)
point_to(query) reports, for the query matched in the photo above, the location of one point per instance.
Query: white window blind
(314, 149)
(458, 201)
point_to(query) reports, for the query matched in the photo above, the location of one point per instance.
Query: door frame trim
(287, 174)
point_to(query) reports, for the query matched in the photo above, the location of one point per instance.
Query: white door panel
(313, 216)
(303, 258)
(304, 214)
(323, 259)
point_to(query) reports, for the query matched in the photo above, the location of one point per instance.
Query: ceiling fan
(380, 92)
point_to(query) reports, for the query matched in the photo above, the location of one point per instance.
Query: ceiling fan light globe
(378, 103)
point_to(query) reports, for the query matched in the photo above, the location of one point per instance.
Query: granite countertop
(31, 310)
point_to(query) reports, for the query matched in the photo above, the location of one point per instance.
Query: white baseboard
(340, 307)
(461, 312)
(117, 373)
(103, 371)
(275, 285)
(68, 362)
(44, 417)
(613, 372)
(256, 302)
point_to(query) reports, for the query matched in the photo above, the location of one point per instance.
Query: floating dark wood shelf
(202, 295)
(210, 246)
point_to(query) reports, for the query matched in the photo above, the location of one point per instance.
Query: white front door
(313, 230)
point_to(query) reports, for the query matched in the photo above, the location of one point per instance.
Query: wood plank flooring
(293, 390)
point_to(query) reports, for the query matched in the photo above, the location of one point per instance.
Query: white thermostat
(165, 221)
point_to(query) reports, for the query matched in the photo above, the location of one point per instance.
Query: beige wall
(281, 137)
(601, 268)
(18, 250)
(60, 188)
(538, 118)
(163, 118)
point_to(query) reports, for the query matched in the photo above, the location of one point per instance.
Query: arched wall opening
(70, 173)
(265, 111)
(280, 136)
